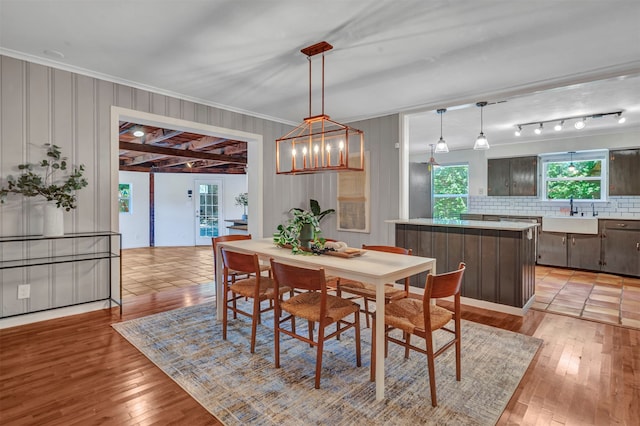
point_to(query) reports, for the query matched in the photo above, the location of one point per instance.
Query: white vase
(53, 225)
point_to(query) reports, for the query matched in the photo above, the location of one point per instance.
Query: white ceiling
(388, 56)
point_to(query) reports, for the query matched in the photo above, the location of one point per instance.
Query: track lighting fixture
(138, 133)
(441, 146)
(481, 140)
(580, 123)
(538, 130)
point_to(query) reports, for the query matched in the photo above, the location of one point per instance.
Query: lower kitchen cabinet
(552, 249)
(500, 264)
(621, 247)
(584, 251)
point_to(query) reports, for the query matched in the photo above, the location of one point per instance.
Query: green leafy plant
(288, 234)
(42, 179)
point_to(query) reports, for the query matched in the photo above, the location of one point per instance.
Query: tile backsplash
(628, 207)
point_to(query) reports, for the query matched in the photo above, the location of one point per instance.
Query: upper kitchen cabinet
(517, 176)
(624, 172)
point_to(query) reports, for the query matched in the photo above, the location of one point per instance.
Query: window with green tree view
(580, 175)
(450, 191)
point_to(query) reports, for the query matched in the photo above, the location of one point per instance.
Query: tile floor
(590, 295)
(154, 269)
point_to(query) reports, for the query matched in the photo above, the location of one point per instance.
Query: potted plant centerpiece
(302, 230)
(42, 179)
(243, 200)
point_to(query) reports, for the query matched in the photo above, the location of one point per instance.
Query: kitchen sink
(570, 224)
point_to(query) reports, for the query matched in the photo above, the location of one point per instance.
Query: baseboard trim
(53, 313)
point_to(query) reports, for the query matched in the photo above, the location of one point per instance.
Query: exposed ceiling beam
(181, 153)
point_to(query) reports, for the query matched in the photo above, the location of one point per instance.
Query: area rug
(238, 387)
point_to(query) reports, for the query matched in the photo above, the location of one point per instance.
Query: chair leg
(407, 340)
(432, 369)
(366, 312)
(320, 345)
(357, 326)
(458, 351)
(310, 325)
(225, 298)
(276, 339)
(254, 323)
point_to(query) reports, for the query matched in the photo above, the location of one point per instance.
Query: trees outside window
(450, 191)
(581, 176)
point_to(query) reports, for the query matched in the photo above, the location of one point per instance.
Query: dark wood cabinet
(499, 263)
(552, 249)
(624, 172)
(621, 247)
(517, 176)
(498, 176)
(584, 251)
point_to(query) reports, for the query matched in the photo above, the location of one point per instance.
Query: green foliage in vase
(41, 179)
(288, 234)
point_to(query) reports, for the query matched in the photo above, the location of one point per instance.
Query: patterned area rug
(240, 388)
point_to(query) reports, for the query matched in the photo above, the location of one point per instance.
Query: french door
(208, 210)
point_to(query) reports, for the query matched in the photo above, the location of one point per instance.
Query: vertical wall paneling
(141, 100)
(74, 112)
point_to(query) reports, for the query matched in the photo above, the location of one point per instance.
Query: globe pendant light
(441, 146)
(481, 140)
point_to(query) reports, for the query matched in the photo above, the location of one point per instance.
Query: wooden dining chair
(232, 237)
(368, 291)
(255, 286)
(314, 305)
(422, 318)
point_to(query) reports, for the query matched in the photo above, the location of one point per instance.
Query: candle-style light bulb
(304, 157)
(328, 155)
(293, 158)
(316, 149)
(341, 148)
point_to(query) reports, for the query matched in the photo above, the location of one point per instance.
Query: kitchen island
(499, 256)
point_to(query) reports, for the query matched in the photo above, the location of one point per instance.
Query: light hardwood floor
(78, 370)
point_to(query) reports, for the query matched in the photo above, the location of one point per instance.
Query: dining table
(375, 267)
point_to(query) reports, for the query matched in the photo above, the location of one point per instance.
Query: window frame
(434, 196)
(563, 157)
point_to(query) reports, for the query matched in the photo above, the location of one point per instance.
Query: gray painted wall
(40, 104)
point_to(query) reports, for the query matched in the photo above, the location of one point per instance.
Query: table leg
(380, 341)
(219, 288)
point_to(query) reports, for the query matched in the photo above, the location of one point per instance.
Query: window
(450, 191)
(581, 175)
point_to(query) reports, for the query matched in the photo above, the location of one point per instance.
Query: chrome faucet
(593, 210)
(571, 210)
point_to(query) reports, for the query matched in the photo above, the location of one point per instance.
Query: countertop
(600, 216)
(480, 224)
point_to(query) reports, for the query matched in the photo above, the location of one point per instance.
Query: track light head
(580, 124)
(538, 130)
(558, 126)
(621, 119)
(518, 131)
